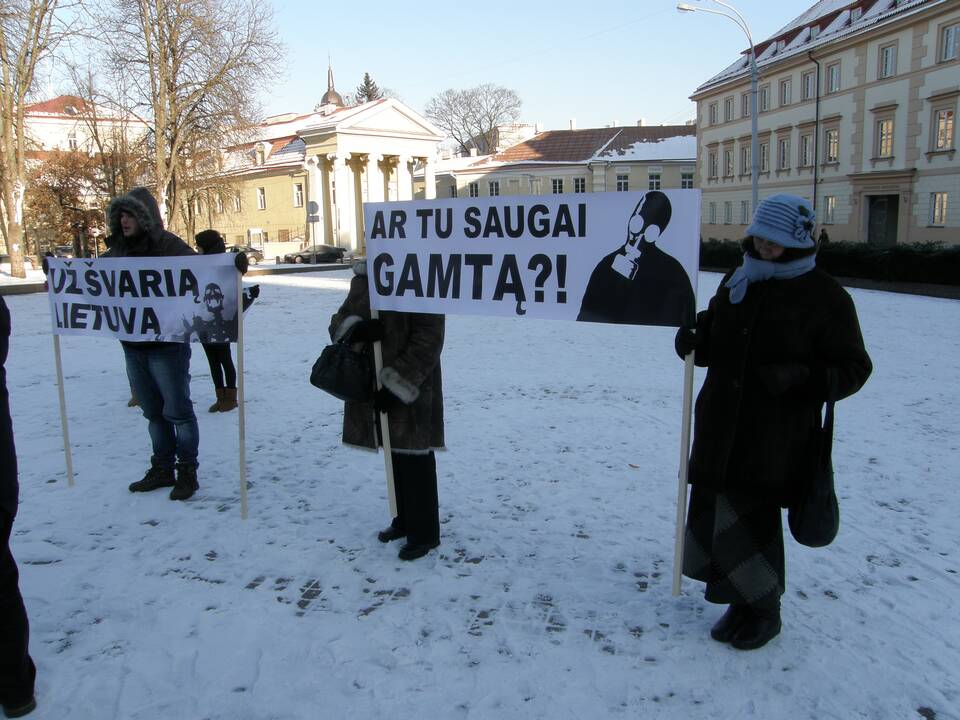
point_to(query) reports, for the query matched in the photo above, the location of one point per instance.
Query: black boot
(19, 709)
(728, 623)
(421, 506)
(398, 526)
(758, 628)
(155, 478)
(186, 484)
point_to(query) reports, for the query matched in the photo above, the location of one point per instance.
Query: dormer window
(855, 14)
(259, 153)
(71, 110)
(814, 31)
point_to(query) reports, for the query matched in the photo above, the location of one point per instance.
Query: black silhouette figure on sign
(638, 283)
(216, 329)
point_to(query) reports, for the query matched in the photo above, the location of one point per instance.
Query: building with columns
(303, 179)
(857, 113)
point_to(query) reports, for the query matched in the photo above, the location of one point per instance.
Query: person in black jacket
(222, 371)
(638, 283)
(779, 339)
(159, 372)
(17, 671)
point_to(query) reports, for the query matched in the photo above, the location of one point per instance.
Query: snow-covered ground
(550, 595)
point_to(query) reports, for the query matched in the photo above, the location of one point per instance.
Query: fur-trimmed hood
(152, 238)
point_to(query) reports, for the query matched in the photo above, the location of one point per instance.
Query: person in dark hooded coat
(159, 372)
(779, 339)
(17, 671)
(412, 396)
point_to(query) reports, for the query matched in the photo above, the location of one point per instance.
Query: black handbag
(343, 372)
(814, 518)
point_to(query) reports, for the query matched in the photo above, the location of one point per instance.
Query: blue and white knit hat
(786, 220)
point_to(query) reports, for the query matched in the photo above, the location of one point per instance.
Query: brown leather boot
(229, 401)
(219, 403)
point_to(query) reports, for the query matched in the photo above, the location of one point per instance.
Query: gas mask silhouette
(639, 230)
(213, 298)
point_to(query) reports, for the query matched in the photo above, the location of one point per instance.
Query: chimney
(641, 122)
(573, 123)
(613, 124)
(473, 152)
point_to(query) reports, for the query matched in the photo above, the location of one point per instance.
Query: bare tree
(29, 32)
(471, 116)
(194, 68)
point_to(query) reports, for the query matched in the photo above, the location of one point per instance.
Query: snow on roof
(842, 24)
(682, 147)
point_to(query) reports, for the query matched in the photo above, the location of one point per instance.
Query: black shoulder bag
(814, 518)
(343, 372)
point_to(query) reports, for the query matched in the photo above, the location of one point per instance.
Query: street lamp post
(742, 24)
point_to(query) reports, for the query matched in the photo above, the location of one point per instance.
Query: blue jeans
(160, 378)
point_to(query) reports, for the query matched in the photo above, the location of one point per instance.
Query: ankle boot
(155, 478)
(216, 406)
(186, 484)
(229, 401)
(729, 623)
(421, 506)
(398, 526)
(757, 629)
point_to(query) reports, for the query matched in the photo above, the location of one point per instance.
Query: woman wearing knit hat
(779, 339)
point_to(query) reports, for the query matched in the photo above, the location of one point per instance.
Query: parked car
(316, 254)
(253, 255)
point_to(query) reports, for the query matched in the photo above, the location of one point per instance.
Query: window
(712, 165)
(943, 129)
(686, 181)
(219, 203)
(783, 154)
(727, 212)
(493, 188)
(261, 198)
(807, 85)
(579, 185)
(950, 42)
(745, 105)
(744, 212)
(474, 189)
(938, 208)
(856, 14)
(557, 184)
(888, 61)
(728, 109)
(831, 146)
(453, 190)
(623, 183)
(298, 194)
(728, 163)
(714, 110)
(806, 150)
(829, 208)
(198, 206)
(237, 203)
(764, 100)
(786, 91)
(72, 140)
(833, 77)
(283, 235)
(653, 181)
(746, 167)
(765, 157)
(713, 213)
(885, 138)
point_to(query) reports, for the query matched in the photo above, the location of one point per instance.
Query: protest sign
(626, 258)
(186, 298)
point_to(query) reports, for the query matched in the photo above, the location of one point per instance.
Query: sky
(597, 63)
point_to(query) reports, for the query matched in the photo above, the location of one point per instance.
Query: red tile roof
(58, 105)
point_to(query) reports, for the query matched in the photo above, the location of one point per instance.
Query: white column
(375, 185)
(404, 178)
(315, 200)
(429, 180)
(344, 203)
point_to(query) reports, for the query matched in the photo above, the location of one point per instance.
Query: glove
(367, 331)
(254, 291)
(385, 401)
(778, 379)
(685, 342)
(240, 260)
